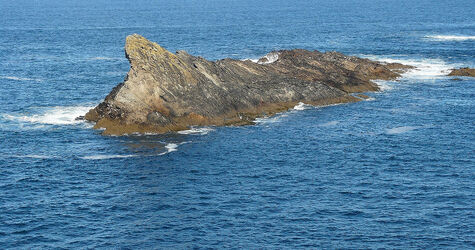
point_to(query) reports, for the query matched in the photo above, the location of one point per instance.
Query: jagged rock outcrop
(170, 92)
(462, 72)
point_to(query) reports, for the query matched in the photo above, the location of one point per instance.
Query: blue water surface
(396, 171)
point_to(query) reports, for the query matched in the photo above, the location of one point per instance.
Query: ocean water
(396, 171)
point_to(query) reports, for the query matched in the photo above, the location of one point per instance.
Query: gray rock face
(169, 92)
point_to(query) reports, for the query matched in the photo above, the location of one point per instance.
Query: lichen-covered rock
(168, 92)
(462, 72)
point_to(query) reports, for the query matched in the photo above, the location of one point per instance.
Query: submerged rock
(169, 92)
(462, 72)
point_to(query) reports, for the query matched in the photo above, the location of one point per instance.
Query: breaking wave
(424, 68)
(449, 37)
(270, 58)
(302, 106)
(60, 115)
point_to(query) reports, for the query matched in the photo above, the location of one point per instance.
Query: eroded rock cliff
(165, 92)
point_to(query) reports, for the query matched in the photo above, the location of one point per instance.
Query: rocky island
(166, 91)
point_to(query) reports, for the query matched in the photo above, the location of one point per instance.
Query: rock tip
(136, 43)
(134, 39)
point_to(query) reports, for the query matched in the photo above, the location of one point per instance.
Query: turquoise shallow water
(396, 171)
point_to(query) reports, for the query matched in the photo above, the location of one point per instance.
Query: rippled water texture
(396, 171)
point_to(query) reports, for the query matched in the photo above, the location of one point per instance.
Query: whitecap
(105, 157)
(400, 130)
(15, 78)
(450, 37)
(59, 115)
(194, 131)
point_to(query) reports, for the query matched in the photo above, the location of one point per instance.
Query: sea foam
(270, 119)
(384, 85)
(196, 131)
(425, 69)
(450, 37)
(59, 115)
(302, 106)
(171, 147)
(271, 58)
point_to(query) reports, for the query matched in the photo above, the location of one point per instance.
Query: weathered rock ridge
(462, 72)
(169, 92)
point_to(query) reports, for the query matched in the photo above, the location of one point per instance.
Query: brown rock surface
(462, 72)
(169, 92)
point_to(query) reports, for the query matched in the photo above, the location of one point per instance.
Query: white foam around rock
(196, 131)
(59, 115)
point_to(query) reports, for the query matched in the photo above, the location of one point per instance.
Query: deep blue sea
(396, 171)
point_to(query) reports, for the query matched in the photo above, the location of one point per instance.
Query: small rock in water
(462, 72)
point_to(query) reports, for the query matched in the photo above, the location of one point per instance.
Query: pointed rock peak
(138, 47)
